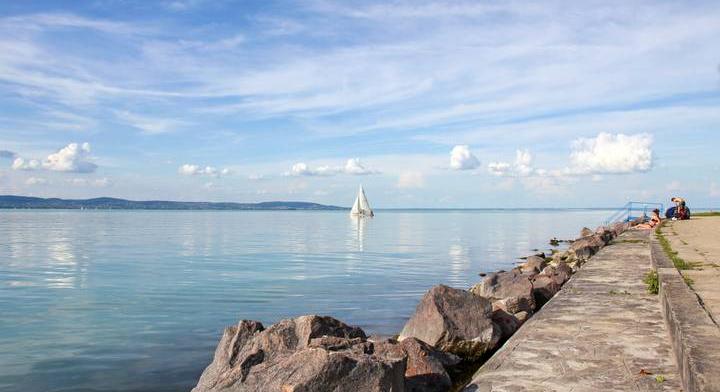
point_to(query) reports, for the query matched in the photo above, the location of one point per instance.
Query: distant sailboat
(361, 206)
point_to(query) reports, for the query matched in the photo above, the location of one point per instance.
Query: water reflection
(151, 291)
(459, 263)
(358, 229)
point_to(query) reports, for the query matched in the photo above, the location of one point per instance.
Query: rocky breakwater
(450, 329)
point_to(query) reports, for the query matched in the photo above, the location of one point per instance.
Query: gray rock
(585, 232)
(584, 248)
(547, 283)
(522, 317)
(533, 265)
(308, 353)
(426, 366)
(507, 322)
(455, 321)
(513, 288)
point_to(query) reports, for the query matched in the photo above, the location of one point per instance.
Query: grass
(711, 213)
(651, 280)
(688, 281)
(659, 378)
(677, 261)
(630, 242)
(615, 292)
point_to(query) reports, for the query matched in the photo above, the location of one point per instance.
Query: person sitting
(682, 212)
(652, 223)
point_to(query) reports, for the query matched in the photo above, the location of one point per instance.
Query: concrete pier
(601, 332)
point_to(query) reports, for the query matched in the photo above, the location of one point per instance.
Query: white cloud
(462, 159)
(256, 177)
(522, 167)
(612, 154)
(71, 158)
(411, 179)
(197, 170)
(36, 181)
(353, 166)
(150, 125)
(302, 169)
(499, 168)
(523, 163)
(20, 163)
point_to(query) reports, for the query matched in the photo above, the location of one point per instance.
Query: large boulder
(455, 321)
(585, 232)
(583, 248)
(308, 353)
(547, 283)
(507, 322)
(533, 265)
(426, 366)
(618, 228)
(512, 287)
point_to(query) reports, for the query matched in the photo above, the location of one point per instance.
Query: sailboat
(361, 206)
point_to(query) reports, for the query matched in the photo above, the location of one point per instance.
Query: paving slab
(601, 332)
(697, 241)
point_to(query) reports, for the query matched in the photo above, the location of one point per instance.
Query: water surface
(136, 300)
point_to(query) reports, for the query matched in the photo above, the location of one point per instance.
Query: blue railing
(632, 210)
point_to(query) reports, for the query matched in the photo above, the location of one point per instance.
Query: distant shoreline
(108, 203)
(8, 202)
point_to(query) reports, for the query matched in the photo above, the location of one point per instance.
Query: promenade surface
(697, 241)
(602, 332)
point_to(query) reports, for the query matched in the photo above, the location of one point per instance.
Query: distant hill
(109, 203)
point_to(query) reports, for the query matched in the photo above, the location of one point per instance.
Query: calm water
(136, 301)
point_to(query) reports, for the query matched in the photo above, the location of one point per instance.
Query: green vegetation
(710, 213)
(651, 280)
(659, 378)
(688, 281)
(615, 292)
(630, 241)
(677, 261)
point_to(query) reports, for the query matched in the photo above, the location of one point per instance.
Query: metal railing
(633, 210)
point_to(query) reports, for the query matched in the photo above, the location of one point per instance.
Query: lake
(137, 300)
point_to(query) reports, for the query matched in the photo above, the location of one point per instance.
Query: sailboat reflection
(358, 227)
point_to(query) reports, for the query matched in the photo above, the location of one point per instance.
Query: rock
(308, 353)
(618, 228)
(513, 288)
(426, 366)
(585, 232)
(507, 322)
(547, 283)
(533, 264)
(560, 272)
(584, 248)
(544, 288)
(455, 321)
(522, 317)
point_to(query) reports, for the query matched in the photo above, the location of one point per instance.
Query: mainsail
(361, 207)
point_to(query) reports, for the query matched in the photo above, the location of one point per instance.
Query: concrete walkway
(697, 241)
(602, 332)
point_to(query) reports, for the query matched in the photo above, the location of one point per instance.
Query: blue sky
(427, 104)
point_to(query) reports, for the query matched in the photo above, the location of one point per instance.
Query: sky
(426, 104)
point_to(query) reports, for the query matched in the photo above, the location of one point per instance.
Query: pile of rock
(449, 326)
(313, 353)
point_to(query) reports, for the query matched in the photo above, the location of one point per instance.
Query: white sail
(361, 207)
